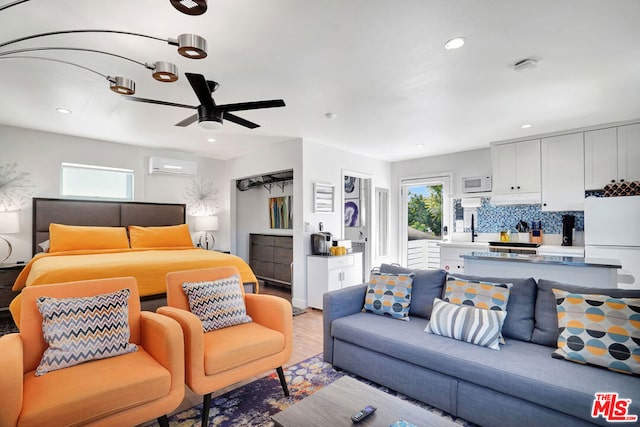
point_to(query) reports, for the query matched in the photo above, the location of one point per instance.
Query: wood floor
(307, 342)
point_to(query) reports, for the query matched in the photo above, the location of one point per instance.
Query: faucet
(473, 229)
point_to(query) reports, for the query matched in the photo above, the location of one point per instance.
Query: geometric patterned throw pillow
(599, 330)
(82, 329)
(389, 295)
(218, 304)
(486, 295)
(465, 323)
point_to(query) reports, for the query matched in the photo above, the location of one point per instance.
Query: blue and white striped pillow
(82, 329)
(218, 303)
(466, 323)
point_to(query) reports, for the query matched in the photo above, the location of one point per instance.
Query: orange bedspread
(148, 266)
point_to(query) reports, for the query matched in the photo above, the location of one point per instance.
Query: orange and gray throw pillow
(78, 330)
(217, 303)
(485, 295)
(599, 330)
(389, 295)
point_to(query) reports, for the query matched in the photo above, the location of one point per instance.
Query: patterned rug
(252, 405)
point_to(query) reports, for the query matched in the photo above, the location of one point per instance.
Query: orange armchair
(124, 390)
(222, 357)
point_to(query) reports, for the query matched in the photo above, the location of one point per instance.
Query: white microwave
(476, 184)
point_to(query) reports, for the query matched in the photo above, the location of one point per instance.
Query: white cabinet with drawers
(328, 273)
(450, 260)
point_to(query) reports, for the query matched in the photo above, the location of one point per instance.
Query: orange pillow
(73, 237)
(160, 237)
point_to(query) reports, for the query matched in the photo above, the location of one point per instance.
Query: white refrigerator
(612, 231)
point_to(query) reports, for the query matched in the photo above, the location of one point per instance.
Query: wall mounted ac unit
(160, 165)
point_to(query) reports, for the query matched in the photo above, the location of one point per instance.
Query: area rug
(298, 311)
(253, 404)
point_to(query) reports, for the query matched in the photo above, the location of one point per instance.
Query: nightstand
(8, 275)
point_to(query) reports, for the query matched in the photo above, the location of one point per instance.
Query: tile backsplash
(493, 219)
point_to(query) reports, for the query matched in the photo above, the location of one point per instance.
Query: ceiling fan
(210, 115)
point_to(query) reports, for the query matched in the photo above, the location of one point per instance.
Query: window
(96, 182)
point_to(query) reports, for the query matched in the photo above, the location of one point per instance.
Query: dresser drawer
(339, 261)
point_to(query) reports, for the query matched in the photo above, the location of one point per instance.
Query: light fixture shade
(190, 7)
(206, 223)
(9, 223)
(192, 46)
(210, 124)
(122, 85)
(165, 71)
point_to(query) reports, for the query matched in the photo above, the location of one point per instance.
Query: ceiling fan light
(190, 7)
(122, 85)
(210, 124)
(192, 46)
(165, 71)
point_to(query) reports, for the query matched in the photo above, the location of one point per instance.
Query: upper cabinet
(611, 155)
(629, 153)
(516, 167)
(600, 158)
(562, 166)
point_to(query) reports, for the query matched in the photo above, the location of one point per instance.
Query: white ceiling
(379, 65)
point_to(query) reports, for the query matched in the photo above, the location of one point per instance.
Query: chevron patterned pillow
(218, 304)
(78, 330)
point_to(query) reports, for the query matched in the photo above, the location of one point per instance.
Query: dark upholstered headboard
(99, 213)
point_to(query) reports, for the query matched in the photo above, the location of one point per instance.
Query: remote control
(362, 414)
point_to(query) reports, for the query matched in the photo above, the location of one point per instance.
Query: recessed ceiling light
(63, 110)
(331, 116)
(454, 43)
(420, 145)
(526, 126)
(211, 140)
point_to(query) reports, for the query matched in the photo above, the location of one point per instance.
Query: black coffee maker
(568, 223)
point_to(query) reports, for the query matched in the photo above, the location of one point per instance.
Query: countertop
(545, 259)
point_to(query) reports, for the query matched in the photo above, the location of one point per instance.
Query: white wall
(458, 165)
(41, 153)
(326, 165)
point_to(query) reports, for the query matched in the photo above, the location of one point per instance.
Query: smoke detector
(525, 64)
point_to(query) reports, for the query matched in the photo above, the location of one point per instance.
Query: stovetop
(515, 244)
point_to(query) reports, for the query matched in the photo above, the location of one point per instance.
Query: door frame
(445, 178)
(370, 216)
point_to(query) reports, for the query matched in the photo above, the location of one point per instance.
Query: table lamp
(9, 224)
(206, 224)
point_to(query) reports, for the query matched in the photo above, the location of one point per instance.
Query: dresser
(328, 273)
(270, 257)
(8, 275)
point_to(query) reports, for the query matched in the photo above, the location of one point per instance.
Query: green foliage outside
(425, 212)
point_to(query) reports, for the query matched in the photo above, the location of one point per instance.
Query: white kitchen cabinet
(563, 173)
(629, 153)
(611, 155)
(600, 158)
(516, 167)
(450, 255)
(328, 273)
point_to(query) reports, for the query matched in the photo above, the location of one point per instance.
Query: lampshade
(206, 223)
(9, 223)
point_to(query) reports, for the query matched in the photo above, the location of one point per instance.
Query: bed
(149, 260)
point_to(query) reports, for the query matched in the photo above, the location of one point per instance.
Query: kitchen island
(596, 272)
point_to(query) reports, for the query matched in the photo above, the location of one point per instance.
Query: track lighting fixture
(162, 71)
(117, 84)
(189, 45)
(190, 7)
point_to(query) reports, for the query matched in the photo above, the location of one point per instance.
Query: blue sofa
(519, 385)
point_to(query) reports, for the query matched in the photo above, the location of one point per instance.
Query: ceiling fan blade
(187, 121)
(155, 101)
(201, 88)
(240, 121)
(255, 105)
